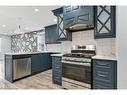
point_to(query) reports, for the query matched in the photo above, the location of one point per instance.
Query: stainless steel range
(76, 67)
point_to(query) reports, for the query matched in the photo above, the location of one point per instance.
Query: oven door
(77, 72)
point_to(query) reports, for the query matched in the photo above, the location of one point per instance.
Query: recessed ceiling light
(3, 25)
(36, 10)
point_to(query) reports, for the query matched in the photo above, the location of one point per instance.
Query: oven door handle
(76, 63)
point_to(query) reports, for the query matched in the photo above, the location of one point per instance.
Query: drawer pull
(57, 77)
(102, 72)
(102, 64)
(57, 67)
(101, 75)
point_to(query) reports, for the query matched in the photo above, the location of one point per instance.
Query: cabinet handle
(57, 77)
(102, 64)
(102, 72)
(57, 67)
(101, 75)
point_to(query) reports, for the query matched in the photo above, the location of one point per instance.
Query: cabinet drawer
(99, 85)
(102, 64)
(56, 63)
(57, 78)
(103, 76)
(58, 66)
(56, 59)
(59, 82)
(57, 72)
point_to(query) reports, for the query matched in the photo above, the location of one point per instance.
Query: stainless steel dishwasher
(21, 67)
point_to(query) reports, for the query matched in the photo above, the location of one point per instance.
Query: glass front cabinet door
(105, 22)
(63, 35)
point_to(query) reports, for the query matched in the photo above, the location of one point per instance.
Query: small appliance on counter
(76, 67)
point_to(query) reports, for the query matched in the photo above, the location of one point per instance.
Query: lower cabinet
(35, 63)
(40, 62)
(8, 68)
(57, 70)
(104, 74)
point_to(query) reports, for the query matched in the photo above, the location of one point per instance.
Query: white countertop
(104, 57)
(60, 55)
(22, 53)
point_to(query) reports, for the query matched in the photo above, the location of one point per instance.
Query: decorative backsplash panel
(24, 43)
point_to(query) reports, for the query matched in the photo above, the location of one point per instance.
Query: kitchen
(77, 51)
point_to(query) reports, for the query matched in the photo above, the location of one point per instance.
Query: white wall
(5, 45)
(122, 46)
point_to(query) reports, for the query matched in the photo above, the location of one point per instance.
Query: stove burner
(79, 57)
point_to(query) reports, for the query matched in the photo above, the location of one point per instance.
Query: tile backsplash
(28, 43)
(53, 47)
(105, 46)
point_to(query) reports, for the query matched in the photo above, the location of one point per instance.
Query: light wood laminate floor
(39, 81)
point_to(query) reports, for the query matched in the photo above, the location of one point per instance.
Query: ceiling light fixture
(3, 25)
(55, 20)
(19, 31)
(36, 10)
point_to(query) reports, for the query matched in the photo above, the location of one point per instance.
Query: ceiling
(25, 16)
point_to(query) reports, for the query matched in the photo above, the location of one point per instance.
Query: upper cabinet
(62, 33)
(51, 34)
(77, 18)
(105, 22)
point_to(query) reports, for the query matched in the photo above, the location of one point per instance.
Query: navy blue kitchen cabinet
(8, 66)
(57, 70)
(51, 34)
(104, 74)
(73, 15)
(36, 63)
(40, 62)
(105, 22)
(63, 35)
(46, 61)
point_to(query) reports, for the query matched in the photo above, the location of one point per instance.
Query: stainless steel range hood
(77, 27)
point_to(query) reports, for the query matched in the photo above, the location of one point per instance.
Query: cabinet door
(68, 16)
(85, 15)
(36, 64)
(105, 22)
(63, 34)
(45, 61)
(51, 34)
